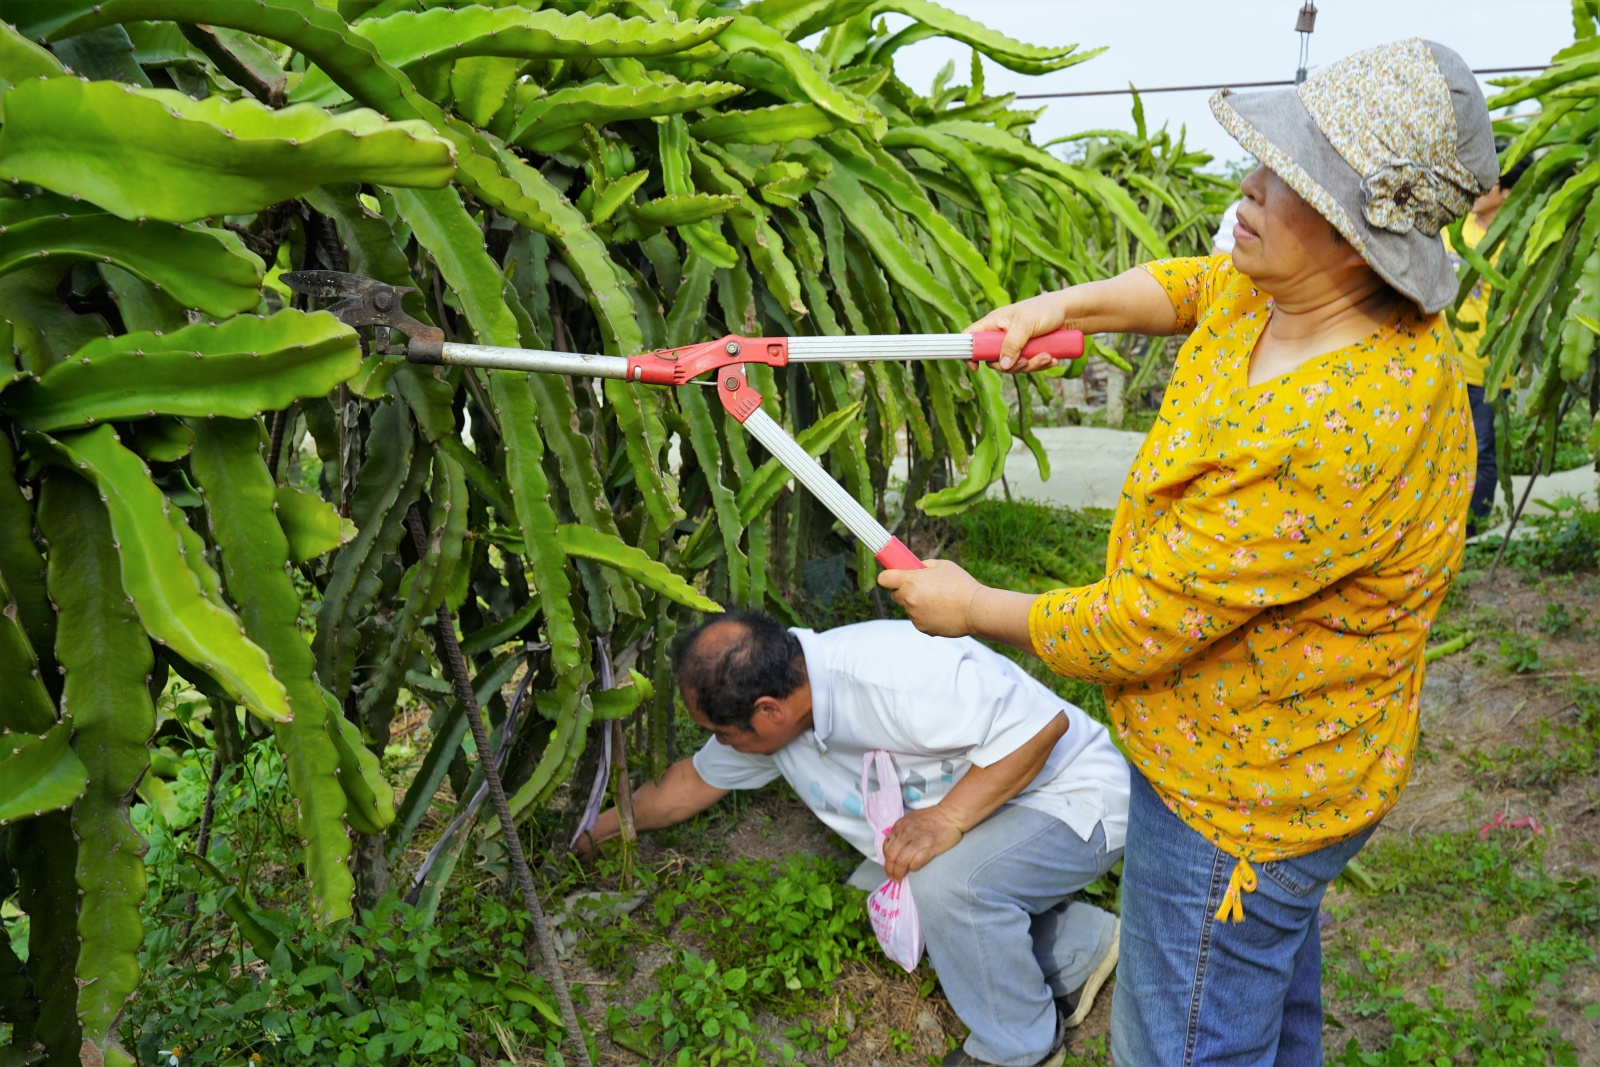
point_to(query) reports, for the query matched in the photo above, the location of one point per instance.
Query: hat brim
(1276, 128)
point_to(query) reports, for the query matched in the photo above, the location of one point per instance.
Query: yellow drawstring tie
(1242, 881)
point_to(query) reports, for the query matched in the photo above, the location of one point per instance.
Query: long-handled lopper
(367, 302)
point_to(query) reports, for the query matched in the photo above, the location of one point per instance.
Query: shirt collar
(821, 687)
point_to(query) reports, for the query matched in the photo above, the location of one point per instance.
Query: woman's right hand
(1131, 302)
(1022, 322)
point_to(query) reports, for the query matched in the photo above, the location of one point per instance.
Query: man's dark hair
(727, 673)
(1509, 178)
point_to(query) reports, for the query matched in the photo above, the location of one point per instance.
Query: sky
(1185, 42)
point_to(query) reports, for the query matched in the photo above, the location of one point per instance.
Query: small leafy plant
(1484, 883)
(791, 927)
(775, 937)
(1521, 655)
(697, 1015)
(1558, 620)
(384, 987)
(1500, 1029)
(1558, 750)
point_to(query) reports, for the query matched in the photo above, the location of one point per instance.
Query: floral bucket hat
(1390, 145)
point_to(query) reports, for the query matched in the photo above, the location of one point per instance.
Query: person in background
(1015, 800)
(1471, 319)
(1282, 545)
(1222, 243)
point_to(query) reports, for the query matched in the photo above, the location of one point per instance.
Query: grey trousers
(1003, 931)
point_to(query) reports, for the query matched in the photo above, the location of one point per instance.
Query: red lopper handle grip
(1062, 344)
(897, 557)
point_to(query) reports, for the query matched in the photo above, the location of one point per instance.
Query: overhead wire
(1233, 85)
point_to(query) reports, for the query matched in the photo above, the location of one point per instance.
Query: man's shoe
(1076, 1005)
(1054, 1058)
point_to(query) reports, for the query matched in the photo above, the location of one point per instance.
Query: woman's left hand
(938, 598)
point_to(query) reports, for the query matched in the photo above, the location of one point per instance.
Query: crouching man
(1015, 801)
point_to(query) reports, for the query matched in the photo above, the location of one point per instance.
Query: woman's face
(1281, 241)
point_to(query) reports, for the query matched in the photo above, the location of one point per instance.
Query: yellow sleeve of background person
(1276, 559)
(1473, 316)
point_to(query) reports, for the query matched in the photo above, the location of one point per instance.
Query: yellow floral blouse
(1276, 559)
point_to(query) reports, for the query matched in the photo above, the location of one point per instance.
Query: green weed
(1564, 540)
(1032, 547)
(790, 927)
(1569, 539)
(1094, 1053)
(1558, 619)
(389, 986)
(1521, 655)
(1482, 885)
(831, 1037)
(776, 936)
(1572, 446)
(696, 1016)
(393, 986)
(1501, 1030)
(1558, 750)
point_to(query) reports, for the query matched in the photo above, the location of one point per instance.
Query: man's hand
(938, 599)
(586, 848)
(921, 835)
(680, 794)
(917, 838)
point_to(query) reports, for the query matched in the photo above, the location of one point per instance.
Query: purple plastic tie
(602, 775)
(597, 792)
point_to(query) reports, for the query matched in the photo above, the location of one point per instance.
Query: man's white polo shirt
(938, 705)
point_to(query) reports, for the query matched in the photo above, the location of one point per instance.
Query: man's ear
(770, 710)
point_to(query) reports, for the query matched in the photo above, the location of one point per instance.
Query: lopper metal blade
(363, 301)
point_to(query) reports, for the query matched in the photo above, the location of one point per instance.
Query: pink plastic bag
(893, 912)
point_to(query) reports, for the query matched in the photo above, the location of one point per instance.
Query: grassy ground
(1467, 935)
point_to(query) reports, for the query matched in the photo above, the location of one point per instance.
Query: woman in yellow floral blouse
(1281, 546)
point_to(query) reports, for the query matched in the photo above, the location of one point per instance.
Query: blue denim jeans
(1004, 930)
(1488, 479)
(1193, 991)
